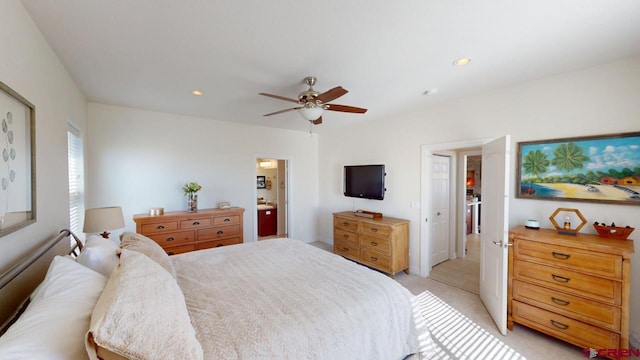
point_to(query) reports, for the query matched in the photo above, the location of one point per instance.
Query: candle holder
(566, 228)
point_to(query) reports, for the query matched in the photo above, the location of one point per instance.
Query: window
(76, 181)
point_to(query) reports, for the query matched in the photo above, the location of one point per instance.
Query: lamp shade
(311, 112)
(102, 219)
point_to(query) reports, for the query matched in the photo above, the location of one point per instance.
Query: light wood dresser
(575, 288)
(381, 243)
(183, 231)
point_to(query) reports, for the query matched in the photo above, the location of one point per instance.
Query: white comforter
(282, 298)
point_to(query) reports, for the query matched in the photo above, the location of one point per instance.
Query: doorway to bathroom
(461, 267)
(272, 188)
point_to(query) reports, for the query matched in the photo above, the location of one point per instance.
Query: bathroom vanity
(267, 220)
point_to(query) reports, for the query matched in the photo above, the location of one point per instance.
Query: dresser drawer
(182, 231)
(345, 236)
(606, 316)
(217, 243)
(376, 244)
(569, 281)
(159, 227)
(180, 249)
(173, 238)
(346, 249)
(219, 232)
(374, 259)
(376, 230)
(584, 261)
(571, 330)
(195, 223)
(345, 224)
(226, 220)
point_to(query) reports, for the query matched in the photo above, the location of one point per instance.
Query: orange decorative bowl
(613, 232)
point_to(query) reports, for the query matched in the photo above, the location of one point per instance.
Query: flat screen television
(364, 181)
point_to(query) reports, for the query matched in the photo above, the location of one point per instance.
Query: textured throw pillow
(55, 323)
(99, 254)
(142, 244)
(142, 314)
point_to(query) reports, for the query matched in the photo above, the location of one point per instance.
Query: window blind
(76, 181)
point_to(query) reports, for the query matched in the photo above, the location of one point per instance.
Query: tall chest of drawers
(575, 288)
(381, 243)
(183, 231)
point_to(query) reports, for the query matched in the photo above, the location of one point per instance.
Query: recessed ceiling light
(197, 92)
(430, 92)
(462, 62)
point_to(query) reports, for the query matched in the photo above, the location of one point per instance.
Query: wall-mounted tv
(364, 181)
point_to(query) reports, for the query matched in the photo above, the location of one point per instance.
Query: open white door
(494, 236)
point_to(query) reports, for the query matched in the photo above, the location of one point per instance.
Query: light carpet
(456, 336)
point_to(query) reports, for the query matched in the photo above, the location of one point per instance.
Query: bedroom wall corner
(140, 159)
(30, 67)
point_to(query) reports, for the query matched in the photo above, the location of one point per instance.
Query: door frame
(288, 186)
(427, 150)
(461, 206)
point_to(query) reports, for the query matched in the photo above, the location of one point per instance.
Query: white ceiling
(151, 54)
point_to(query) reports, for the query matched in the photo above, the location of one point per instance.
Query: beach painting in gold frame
(603, 168)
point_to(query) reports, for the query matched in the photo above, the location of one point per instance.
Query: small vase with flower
(190, 189)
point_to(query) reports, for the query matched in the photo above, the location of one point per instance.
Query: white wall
(140, 159)
(29, 66)
(599, 100)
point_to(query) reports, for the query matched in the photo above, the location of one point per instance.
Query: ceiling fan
(312, 103)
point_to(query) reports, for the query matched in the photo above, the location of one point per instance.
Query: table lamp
(103, 219)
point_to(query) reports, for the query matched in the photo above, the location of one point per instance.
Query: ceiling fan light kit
(311, 111)
(313, 103)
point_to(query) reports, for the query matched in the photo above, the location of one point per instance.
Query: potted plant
(190, 189)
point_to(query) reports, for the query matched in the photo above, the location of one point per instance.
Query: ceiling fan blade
(332, 94)
(317, 121)
(345, 108)
(282, 111)
(279, 97)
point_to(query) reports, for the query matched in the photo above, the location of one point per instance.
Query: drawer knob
(345, 223)
(169, 239)
(373, 258)
(560, 301)
(560, 278)
(559, 325)
(220, 232)
(374, 229)
(196, 223)
(345, 236)
(160, 227)
(227, 220)
(560, 256)
(373, 243)
(345, 248)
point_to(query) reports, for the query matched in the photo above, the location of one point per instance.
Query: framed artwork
(17, 169)
(602, 168)
(261, 182)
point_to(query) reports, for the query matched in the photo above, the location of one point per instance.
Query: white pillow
(99, 254)
(144, 245)
(141, 314)
(54, 325)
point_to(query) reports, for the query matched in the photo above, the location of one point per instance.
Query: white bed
(283, 298)
(273, 299)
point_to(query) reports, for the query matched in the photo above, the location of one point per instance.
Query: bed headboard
(17, 282)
